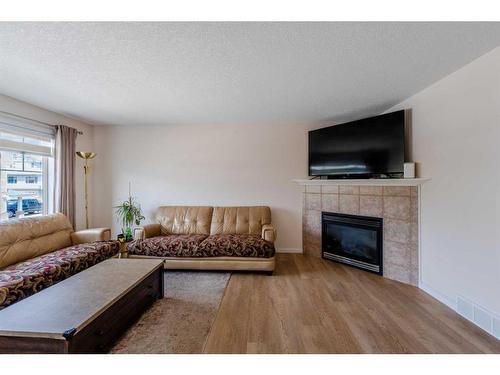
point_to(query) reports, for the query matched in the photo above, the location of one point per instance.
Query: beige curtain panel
(64, 192)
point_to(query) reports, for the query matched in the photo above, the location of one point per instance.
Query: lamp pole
(86, 156)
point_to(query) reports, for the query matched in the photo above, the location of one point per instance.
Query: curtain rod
(32, 119)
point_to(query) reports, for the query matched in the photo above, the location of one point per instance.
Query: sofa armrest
(90, 235)
(147, 231)
(268, 232)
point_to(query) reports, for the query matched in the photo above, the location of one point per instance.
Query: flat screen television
(369, 148)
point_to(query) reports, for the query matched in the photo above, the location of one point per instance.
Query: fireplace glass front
(353, 240)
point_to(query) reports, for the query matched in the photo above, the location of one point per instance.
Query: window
(25, 172)
(24, 187)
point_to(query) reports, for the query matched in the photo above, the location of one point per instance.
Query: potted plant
(129, 212)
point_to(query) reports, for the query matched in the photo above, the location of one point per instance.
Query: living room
(249, 187)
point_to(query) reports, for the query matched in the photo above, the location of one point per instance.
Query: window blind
(21, 134)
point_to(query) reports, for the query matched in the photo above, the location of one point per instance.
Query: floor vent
(465, 308)
(496, 327)
(480, 316)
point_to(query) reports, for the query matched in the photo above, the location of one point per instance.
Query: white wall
(456, 140)
(204, 165)
(83, 142)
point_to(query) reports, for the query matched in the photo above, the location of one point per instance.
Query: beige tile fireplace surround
(396, 202)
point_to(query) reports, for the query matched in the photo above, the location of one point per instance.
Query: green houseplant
(129, 212)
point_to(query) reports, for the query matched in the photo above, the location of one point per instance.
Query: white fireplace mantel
(370, 182)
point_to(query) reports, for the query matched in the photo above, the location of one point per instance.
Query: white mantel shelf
(372, 182)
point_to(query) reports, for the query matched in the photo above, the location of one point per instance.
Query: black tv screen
(371, 147)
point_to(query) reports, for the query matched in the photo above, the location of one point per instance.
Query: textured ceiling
(191, 73)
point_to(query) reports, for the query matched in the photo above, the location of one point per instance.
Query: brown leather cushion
(184, 219)
(181, 245)
(212, 220)
(26, 278)
(240, 220)
(26, 238)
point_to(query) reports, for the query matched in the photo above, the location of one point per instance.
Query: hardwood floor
(312, 305)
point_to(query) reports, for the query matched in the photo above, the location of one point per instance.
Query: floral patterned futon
(24, 279)
(198, 245)
(236, 245)
(181, 245)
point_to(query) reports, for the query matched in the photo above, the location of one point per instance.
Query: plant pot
(127, 233)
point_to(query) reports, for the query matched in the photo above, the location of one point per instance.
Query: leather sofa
(209, 238)
(37, 252)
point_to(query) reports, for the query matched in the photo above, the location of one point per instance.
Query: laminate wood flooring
(311, 305)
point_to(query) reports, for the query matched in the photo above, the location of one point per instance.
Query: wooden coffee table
(84, 313)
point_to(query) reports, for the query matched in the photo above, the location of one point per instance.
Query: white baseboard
(448, 301)
(290, 250)
(473, 312)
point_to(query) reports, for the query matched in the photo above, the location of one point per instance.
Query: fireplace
(353, 240)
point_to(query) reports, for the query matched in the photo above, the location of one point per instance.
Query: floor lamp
(86, 156)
